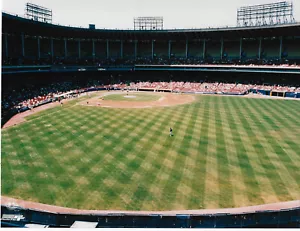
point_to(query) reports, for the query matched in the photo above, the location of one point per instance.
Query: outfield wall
(278, 215)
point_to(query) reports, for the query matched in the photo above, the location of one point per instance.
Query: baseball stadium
(151, 127)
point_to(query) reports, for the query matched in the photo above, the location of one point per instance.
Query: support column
(93, 51)
(107, 48)
(204, 48)
(259, 48)
(280, 48)
(241, 47)
(6, 46)
(169, 52)
(39, 47)
(152, 49)
(51, 48)
(135, 48)
(66, 51)
(186, 48)
(121, 49)
(23, 44)
(79, 52)
(222, 47)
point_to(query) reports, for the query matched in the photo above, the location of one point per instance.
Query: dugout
(278, 93)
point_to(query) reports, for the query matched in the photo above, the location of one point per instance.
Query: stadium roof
(15, 24)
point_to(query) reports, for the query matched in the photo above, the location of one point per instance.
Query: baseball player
(171, 132)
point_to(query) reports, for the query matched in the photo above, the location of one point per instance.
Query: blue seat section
(289, 216)
(116, 221)
(267, 218)
(264, 92)
(183, 221)
(292, 94)
(146, 221)
(178, 221)
(207, 221)
(248, 220)
(271, 219)
(228, 221)
(43, 218)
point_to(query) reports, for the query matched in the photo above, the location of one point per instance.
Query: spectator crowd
(96, 61)
(211, 88)
(31, 96)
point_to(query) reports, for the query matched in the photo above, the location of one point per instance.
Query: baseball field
(225, 152)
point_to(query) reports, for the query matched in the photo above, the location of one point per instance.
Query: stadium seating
(231, 50)
(270, 49)
(128, 50)
(178, 49)
(195, 50)
(250, 49)
(144, 49)
(213, 50)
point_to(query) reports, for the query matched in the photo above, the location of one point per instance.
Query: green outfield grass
(225, 152)
(137, 97)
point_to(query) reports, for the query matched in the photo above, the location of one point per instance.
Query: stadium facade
(42, 43)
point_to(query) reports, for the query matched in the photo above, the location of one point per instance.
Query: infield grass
(225, 152)
(146, 97)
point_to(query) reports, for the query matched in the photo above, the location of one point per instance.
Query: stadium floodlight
(148, 23)
(266, 14)
(38, 13)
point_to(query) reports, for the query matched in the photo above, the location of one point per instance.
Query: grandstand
(276, 44)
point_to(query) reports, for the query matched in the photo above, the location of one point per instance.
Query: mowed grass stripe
(86, 164)
(248, 171)
(288, 109)
(145, 132)
(64, 176)
(264, 150)
(237, 182)
(97, 164)
(198, 180)
(212, 190)
(283, 161)
(34, 185)
(175, 190)
(119, 173)
(286, 135)
(152, 175)
(151, 133)
(275, 154)
(283, 131)
(188, 172)
(271, 115)
(261, 148)
(163, 163)
(7, 175)
(163, 169)
(283, 158)
(118, 176)
(240, 191)
(226, 196)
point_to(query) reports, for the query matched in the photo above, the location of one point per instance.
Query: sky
(120, 13)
